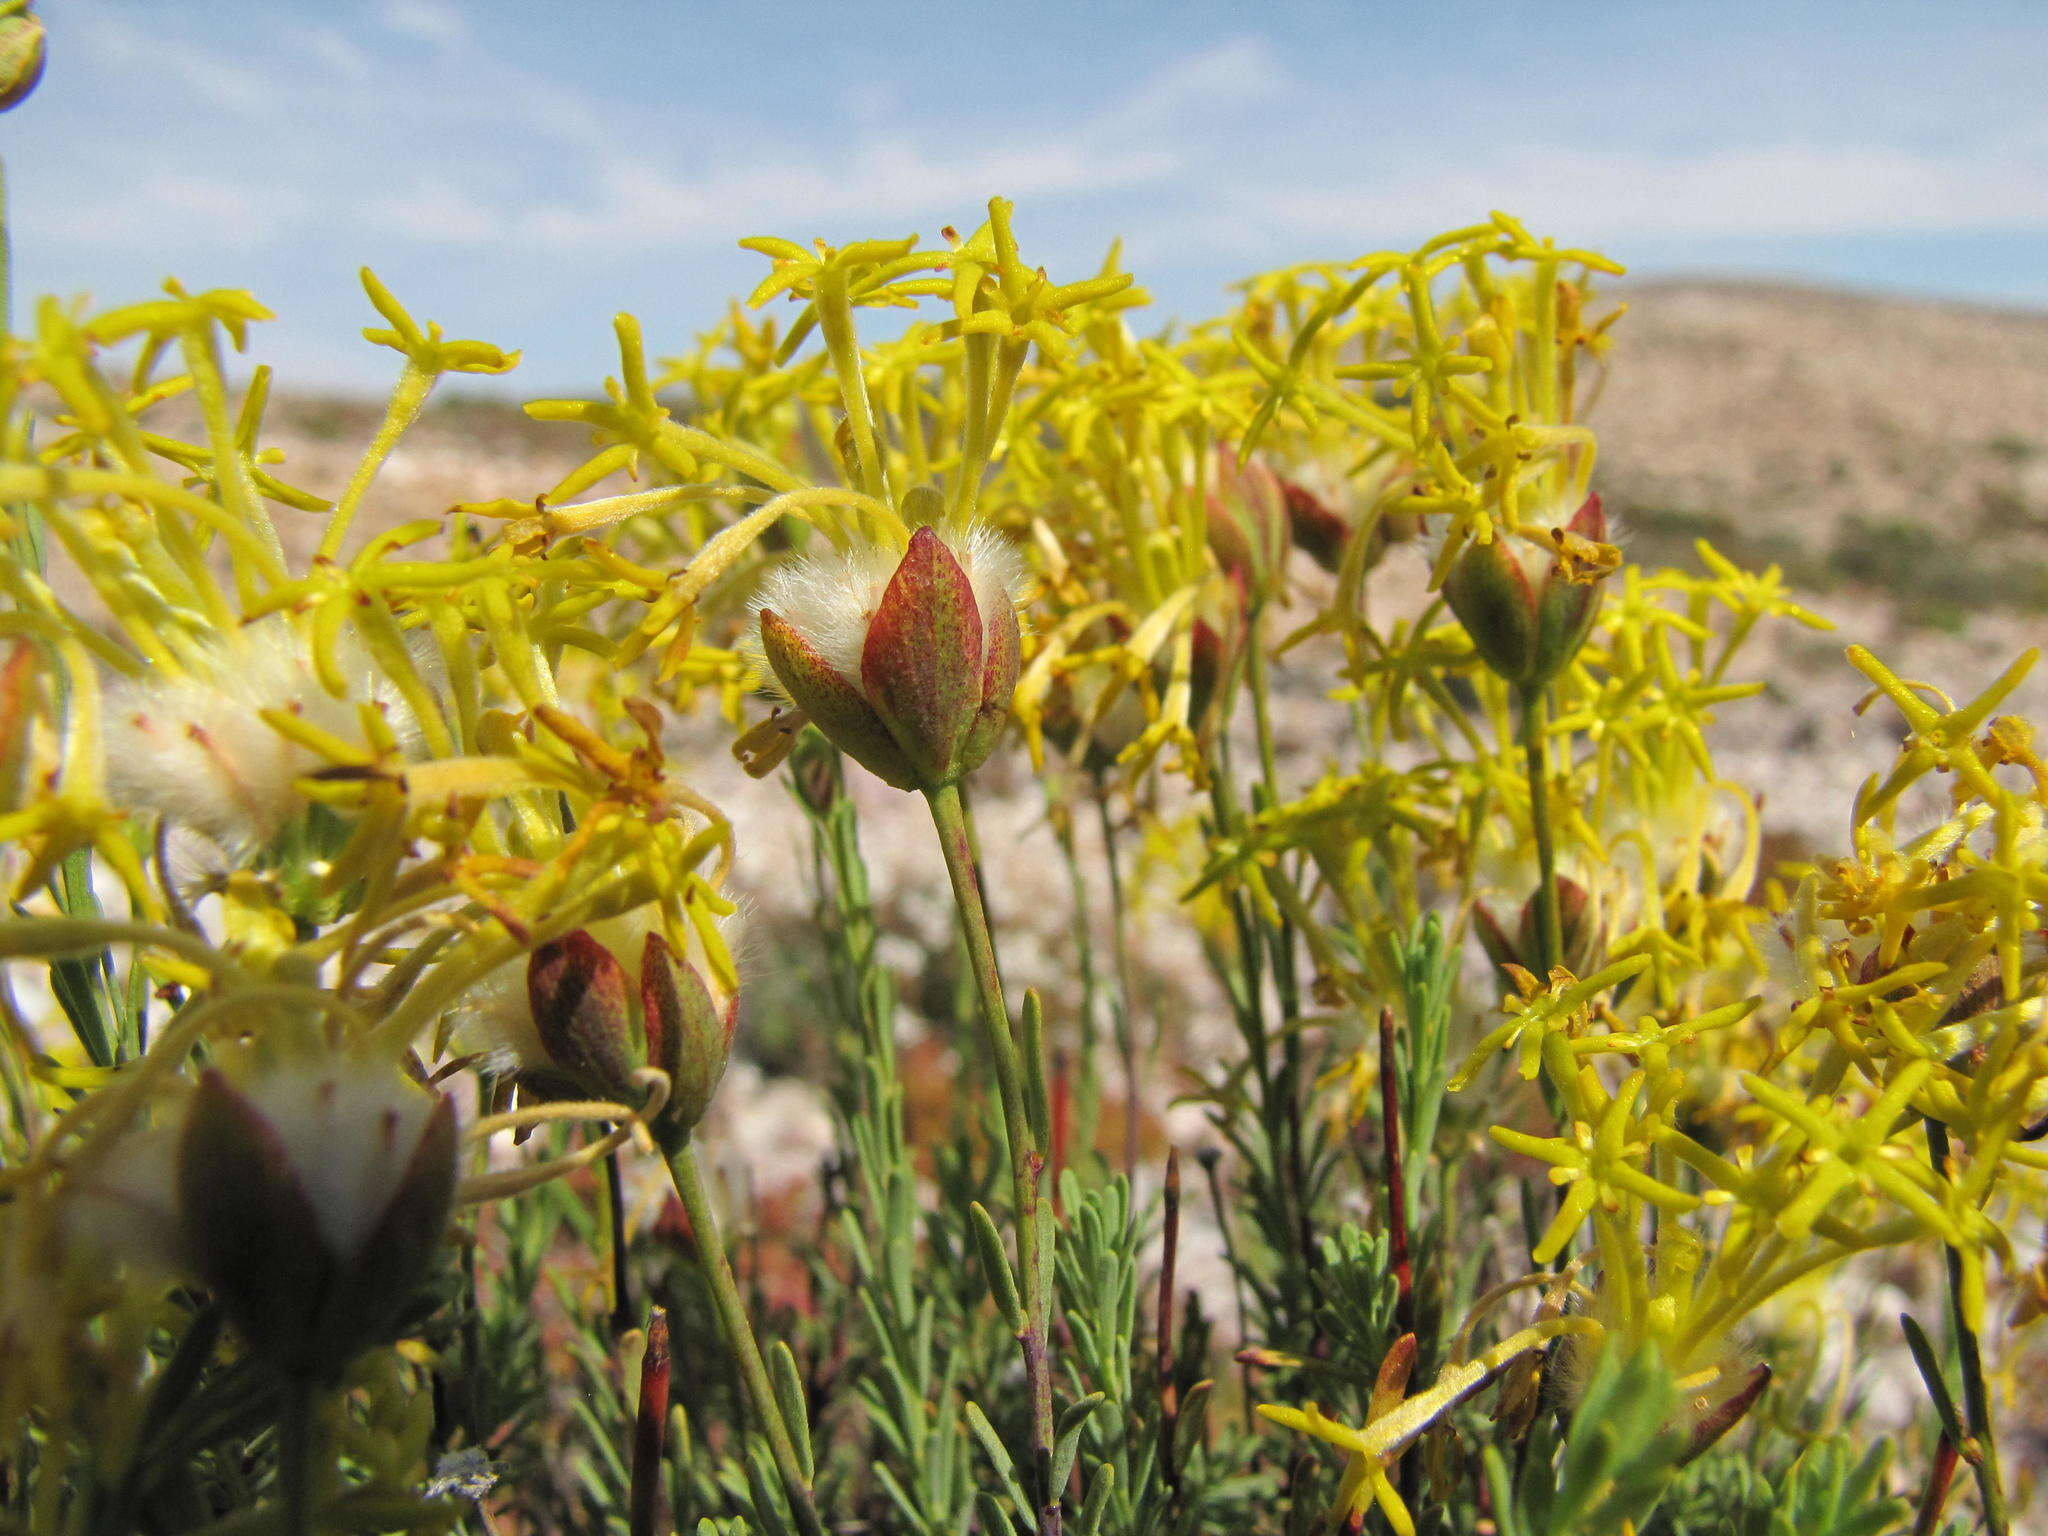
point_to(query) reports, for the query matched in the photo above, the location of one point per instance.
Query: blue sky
(520, 170)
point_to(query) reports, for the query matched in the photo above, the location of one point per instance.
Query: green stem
(623, 1316)
(739, 1333)
(1976, 1400)
(1026, 1163)
(1535, 752)
(1262, 719)
(1121, 1016)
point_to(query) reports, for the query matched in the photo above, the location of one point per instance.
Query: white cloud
(1232, 75)
(159, 56)
(341, 56)
(1783, 190)
(638, 206)
(437, 212)
(428, 21)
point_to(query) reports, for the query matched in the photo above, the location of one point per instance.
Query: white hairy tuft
(831, 599)
(197, 750)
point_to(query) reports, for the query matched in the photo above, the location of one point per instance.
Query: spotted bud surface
(922, 663)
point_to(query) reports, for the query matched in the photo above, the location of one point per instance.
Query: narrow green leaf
(1067, 1441)
(999, 1458)
(1931, 1373)
(789, 1397)
(1188, 1428)
(1002, 1283)
(1039, 1104)
(1097, 1504)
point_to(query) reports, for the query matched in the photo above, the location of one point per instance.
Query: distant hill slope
(1862, 439)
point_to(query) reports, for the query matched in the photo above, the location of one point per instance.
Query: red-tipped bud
(1318, 530)
(1248, 525)
(1208, 661)
(926, 695)
(579, 996)
(1528, 610)
(1578, 926)
(311, 1202)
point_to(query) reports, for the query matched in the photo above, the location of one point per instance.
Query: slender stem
(1535, 752)
(1120, 1007)
(295, 1457)
(1026, 1162)
(739, 1333)
(1169, 1394)
(1396, 1176)
(650, 1431)
(835, 319)
(1976, 1401)
(1935, 1494)
(1261, 691)
(615, 1214)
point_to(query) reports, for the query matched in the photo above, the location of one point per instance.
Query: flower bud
(1209, 659)
(1578, 927)
(311, 1201)
(1317, 529)
(1528, 611)
(578, 993)
(21, 54)
(688, 1035)
(913, 682)
(1248, 524)
(592, 1043)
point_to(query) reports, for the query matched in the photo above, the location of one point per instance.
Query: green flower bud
(1526, 613)
(21, 54)
(688, 1035)
(1248, 524)
(311, 1201)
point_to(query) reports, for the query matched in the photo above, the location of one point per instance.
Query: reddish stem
(650, 1431)
(1939, 1476)
(1396, 1176)
(1169, 1394)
